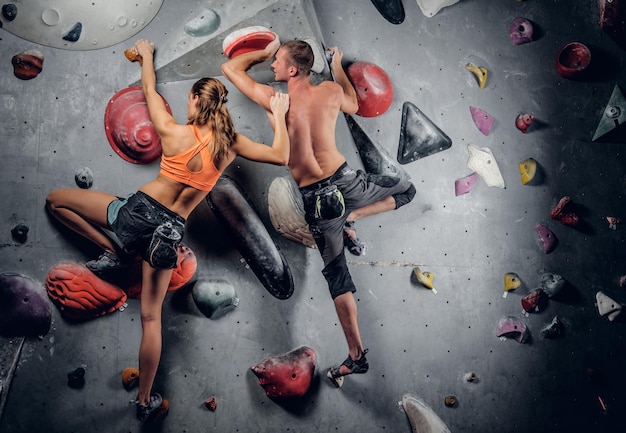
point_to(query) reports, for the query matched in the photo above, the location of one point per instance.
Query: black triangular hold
(391, 10)
(375, 158)
(419, 136)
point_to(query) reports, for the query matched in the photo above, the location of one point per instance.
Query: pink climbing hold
(287, 375)
(512, 327)
(482, 120)
(464, 185)
(547, 238)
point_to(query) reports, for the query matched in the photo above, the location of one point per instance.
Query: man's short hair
(300, 54)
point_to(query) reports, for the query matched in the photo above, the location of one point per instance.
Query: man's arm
(236, 71)
(349, 103)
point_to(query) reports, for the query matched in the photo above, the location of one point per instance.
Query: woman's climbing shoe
(359, 366)
(153, 410)
(107, 261)
(355, 246)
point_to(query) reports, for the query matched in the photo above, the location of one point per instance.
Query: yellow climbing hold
(511, 282)
(527, 169)
(479, 71)
(425, 278)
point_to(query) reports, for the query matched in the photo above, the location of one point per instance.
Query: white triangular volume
(607, 306)
(431, 7)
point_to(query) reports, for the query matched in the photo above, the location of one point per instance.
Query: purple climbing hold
(521, 31)
(482, 120)
(548, 240)
(24, 306)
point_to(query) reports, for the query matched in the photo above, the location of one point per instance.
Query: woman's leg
(83, 211)
(154, 288)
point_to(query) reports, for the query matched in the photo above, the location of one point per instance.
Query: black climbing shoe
(107, 261)
(359, 366)
(145, 412)
(355, 246)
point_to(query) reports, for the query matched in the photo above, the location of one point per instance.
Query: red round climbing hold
(374, 91)
(129, 129)
(572, 60)
(247, 40)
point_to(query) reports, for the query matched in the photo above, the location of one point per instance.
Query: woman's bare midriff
(175, 196)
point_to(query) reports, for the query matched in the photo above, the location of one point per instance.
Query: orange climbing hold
(132, 55)
(130, 378)
(80, 294)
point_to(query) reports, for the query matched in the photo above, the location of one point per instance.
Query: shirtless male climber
(335, 196)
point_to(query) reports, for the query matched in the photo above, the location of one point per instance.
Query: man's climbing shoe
(156, 408)
(355, 246)
(107, 261)
(359, 366)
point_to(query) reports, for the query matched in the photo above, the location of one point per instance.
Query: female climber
(150, 222)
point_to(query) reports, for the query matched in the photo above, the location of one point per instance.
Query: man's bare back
(311, 124)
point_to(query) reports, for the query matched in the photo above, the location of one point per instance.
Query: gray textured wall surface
(421, 343)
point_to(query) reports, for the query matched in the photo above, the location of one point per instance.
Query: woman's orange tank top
(175, 167)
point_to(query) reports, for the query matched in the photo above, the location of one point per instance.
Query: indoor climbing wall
(492, 302)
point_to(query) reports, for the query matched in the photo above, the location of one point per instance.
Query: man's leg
(385, 205)
(345, 305)
(390, 202)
